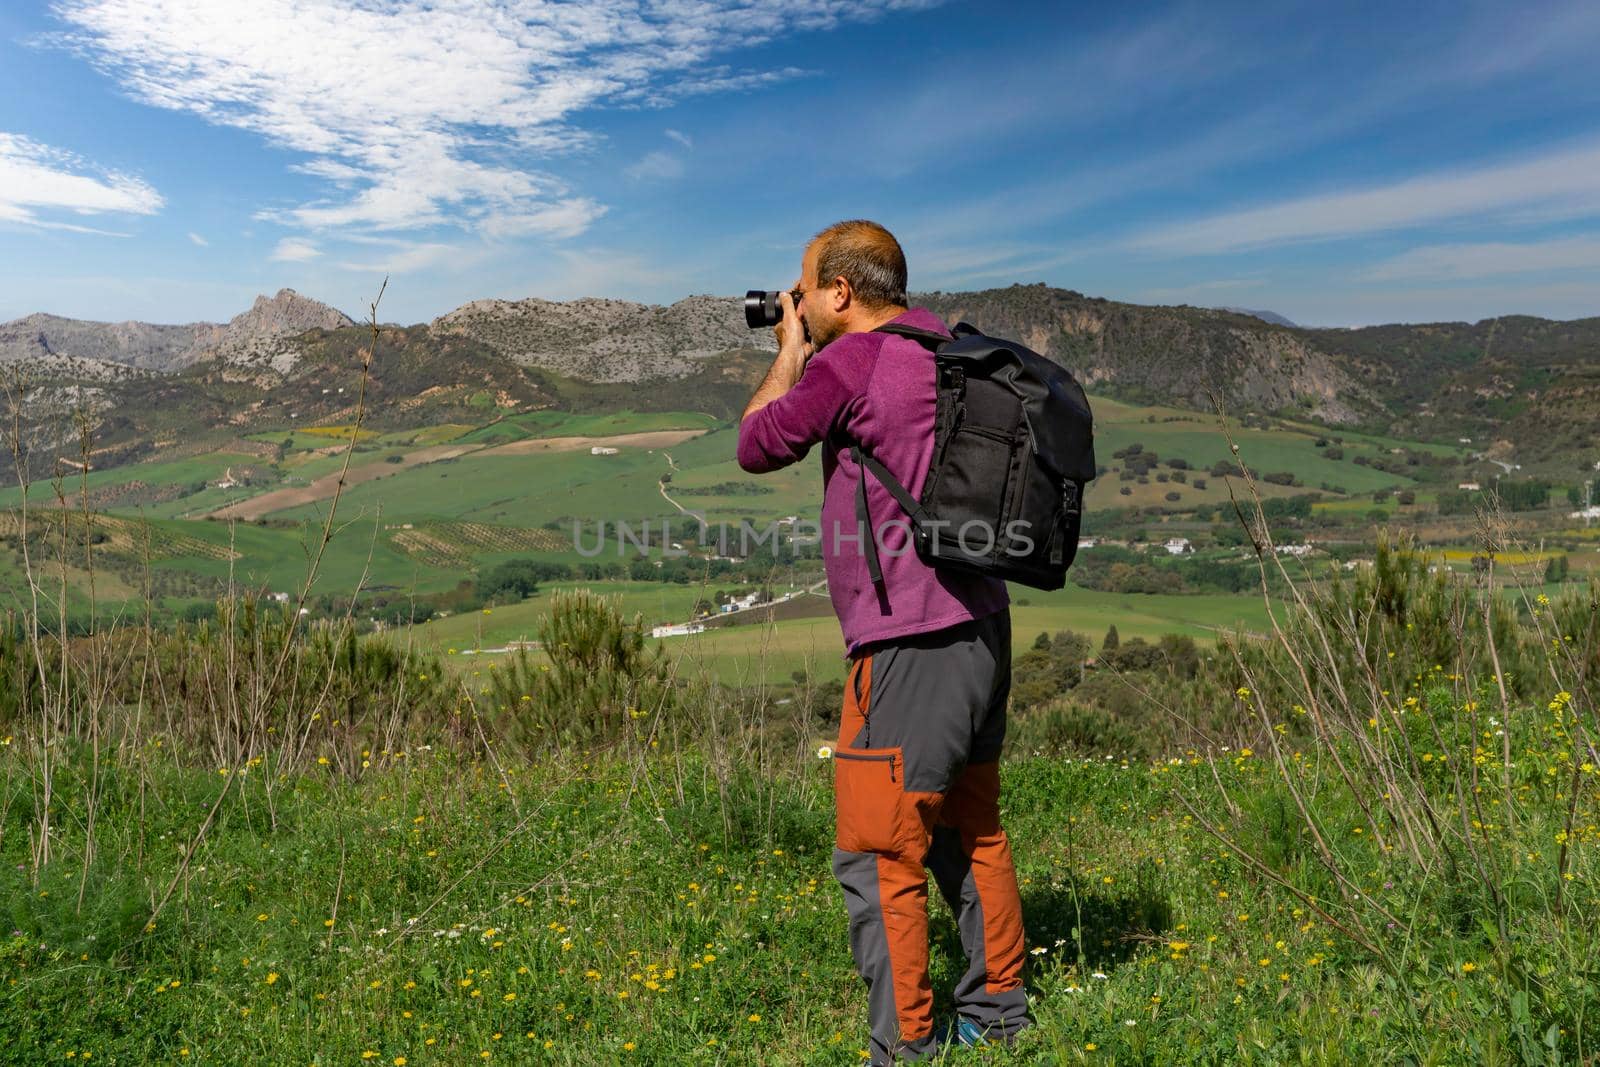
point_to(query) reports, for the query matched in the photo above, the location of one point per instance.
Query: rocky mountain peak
(288, 312)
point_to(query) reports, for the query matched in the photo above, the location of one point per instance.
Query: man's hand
(791, 332)
(794, 349)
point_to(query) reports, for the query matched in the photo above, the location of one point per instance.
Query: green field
(538, 496)
(749, 653)
(1198, 439)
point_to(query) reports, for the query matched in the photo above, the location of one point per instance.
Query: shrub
(1065, 727)
(602, 674)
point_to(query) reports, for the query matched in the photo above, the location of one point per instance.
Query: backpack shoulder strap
(928, 338)
(864, 520)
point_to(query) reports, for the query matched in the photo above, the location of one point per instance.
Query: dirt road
(648, 439)
(323, 488)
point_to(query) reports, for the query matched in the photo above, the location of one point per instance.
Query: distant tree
(1574, 495)
(1377, 515)
(517, 579)
(1524, 496)
(1045, 672)
(1406, 497)
(1557, 569)
(1113, 640)
(1042, 641)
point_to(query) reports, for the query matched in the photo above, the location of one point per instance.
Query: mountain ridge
(283, 361)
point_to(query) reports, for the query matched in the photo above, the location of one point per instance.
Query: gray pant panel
(941, 698)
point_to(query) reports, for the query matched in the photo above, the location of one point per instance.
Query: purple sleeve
(784, 431)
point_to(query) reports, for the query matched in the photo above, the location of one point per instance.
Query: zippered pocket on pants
(870, 802)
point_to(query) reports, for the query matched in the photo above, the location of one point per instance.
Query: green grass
(573, 424)
(747, 654)
(277, 559)
(1197, 438)
(530, 490)
(209, 467)
(657, 602)
(433, 910)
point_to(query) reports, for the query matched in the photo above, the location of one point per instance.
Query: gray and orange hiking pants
(917, 785)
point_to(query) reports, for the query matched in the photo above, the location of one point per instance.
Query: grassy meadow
(259, 841)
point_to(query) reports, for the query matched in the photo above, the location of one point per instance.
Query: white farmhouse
(602, 450)
(678, 629)
(1178, 546)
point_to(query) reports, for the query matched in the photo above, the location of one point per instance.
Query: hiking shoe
(965, 1032)
(969, 1033)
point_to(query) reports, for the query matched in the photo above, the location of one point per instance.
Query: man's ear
(843, 297)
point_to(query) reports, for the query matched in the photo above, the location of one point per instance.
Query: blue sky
(166, 160)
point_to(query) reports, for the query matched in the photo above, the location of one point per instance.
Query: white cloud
(657, 166)
(681, 137)
(565, 218)
(1488, 260)
(1559, 184)
(294, 250)
(406, 133)
(406, 256)
(37, 178)
(197, 239)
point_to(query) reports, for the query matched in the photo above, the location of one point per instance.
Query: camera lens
(761, 309)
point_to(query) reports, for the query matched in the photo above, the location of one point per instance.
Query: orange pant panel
(903, 896)
(973, 808)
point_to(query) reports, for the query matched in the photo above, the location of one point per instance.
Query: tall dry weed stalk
(1400, 710)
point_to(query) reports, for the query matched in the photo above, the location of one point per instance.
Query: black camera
(762, 308)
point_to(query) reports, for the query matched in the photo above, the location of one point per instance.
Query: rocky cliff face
(1182, 355)
(248, 338)
(607, 340)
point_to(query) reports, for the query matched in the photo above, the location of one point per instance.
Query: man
(916, 768)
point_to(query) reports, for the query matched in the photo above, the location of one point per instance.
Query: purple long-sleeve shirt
(875, 389)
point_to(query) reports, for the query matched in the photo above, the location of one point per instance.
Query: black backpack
(1013, 448)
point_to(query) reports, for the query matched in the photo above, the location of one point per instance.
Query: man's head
(853, 277)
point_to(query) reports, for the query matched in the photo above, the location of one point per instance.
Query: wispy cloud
(680, 137)
(1557, 184)
(1488, 260)
(655, 166)
(294, 250)
(38, 183)
(198, 240)
(404, 133)
(402, 256)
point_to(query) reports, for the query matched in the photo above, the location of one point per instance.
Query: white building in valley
(678, 629)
